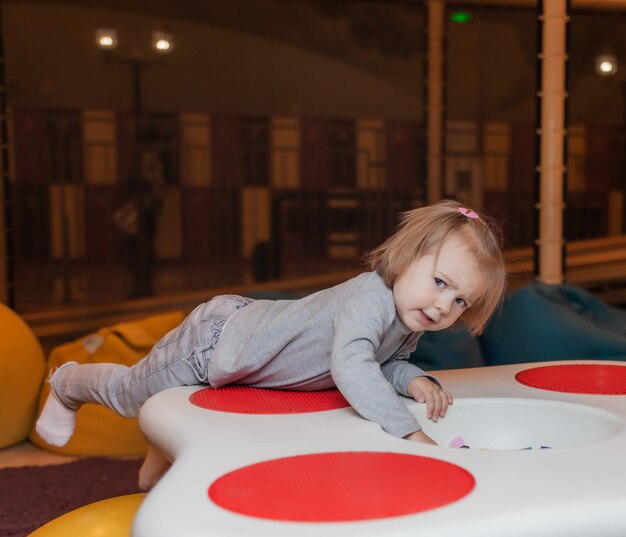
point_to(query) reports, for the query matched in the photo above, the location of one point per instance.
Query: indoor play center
(261, 153)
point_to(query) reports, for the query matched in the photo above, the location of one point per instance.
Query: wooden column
(550, 251)
(434, 96)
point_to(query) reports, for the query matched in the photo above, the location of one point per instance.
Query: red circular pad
(598, 379)
(340, 487)
(246, 400)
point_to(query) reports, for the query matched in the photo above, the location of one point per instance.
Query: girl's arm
(421, 437)
(359, 329)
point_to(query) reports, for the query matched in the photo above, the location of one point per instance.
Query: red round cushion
(341, 486)
(597, 379)
(247, 400)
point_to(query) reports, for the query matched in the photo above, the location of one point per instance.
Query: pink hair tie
(468, 212)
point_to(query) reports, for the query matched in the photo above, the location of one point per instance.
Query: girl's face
(435, 290)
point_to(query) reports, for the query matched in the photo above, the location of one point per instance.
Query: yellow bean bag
(99, 431)
(22, 366)
(107, 518)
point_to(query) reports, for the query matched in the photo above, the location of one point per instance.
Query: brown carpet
(33, 495)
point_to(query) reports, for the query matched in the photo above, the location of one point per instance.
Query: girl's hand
(437, 399)
(422, 437)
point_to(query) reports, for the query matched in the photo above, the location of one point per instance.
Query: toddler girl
(444, 263)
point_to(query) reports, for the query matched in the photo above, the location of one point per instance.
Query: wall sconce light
(106, 38)
(606, 64)
(162, 42)
(137, 63)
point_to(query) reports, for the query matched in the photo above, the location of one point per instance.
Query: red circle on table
(247, 400)
(341, 487)
(597, 379)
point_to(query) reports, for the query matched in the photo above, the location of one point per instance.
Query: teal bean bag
(553, 322)
(448, 349)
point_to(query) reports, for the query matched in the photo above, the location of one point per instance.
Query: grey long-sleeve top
(348, 336)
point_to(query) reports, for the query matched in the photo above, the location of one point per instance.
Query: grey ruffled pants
(180, 358)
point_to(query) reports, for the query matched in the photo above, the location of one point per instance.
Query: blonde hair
(423, 231)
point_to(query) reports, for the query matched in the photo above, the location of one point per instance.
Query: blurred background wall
(278, 138)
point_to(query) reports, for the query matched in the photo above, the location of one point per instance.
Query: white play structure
(574, 486)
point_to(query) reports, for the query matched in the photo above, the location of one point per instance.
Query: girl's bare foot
(152, 469)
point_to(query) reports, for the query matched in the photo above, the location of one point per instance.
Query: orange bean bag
(99, 431)
(22, 367)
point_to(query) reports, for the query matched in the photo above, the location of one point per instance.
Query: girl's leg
(123, 389)
(152, 469)
(178, 359)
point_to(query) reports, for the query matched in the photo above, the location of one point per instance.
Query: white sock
(56, 422)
